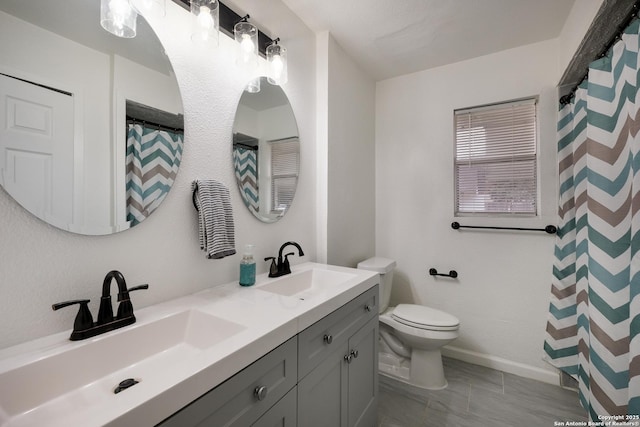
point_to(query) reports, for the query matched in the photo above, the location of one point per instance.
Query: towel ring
(193, 196)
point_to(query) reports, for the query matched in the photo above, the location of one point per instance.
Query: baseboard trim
(501, 364)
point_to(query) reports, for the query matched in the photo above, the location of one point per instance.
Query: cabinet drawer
(282, 414)
(317, 341)
(235, 402)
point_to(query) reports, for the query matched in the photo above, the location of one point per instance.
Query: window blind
(284, 172)
(496, 159)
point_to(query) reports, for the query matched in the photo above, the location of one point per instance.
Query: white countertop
(265, 321)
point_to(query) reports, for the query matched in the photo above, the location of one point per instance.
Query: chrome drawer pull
(354, 353)
(260, 392)
(348, 358)
(328, 339)
(367, 308)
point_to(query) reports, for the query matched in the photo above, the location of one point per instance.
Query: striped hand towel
(215, 218)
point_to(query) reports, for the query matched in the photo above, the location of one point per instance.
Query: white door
(36, 149)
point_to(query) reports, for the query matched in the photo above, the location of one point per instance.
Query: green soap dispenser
(247, 267)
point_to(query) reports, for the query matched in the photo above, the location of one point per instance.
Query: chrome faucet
(84, 327)
(282, 267)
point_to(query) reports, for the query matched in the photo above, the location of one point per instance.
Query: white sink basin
(88, 371)
(307, 283)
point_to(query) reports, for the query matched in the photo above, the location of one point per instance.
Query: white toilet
(410, 335)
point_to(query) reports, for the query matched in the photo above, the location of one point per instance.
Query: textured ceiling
(391, 38)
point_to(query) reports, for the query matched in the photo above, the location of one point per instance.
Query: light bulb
(205, 20)
(277, 59)
(277, 66)
(246, 44)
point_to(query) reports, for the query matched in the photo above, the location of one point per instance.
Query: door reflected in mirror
(91, 124)
(266, 151)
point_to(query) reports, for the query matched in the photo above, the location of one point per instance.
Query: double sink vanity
(295, 350)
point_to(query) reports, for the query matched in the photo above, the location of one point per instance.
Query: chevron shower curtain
(594, 316)
(245, 162)
(153, 159)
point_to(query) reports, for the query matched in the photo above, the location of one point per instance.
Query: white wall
(41, 265)
(502, 293)
(350, 158)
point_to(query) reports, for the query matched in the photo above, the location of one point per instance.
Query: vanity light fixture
(206, 21)
(228, 19)
(118, 17)
(277, 60)
(246, 35)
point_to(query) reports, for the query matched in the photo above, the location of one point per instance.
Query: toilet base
(424, 370)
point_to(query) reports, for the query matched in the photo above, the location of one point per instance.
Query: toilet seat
(421, 317)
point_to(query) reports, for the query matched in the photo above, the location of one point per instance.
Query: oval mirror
(91, 125)
(266, 150)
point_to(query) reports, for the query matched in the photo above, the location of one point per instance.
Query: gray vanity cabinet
(338, 367)
(244, 398)
(327, 375)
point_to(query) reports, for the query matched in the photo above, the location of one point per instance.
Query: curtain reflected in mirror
(245, 164)
(266, 152)
(153, 159)
(74, 150)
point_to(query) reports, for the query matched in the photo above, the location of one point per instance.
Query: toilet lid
(419, 316)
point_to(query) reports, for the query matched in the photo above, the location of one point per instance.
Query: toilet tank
(383, 266)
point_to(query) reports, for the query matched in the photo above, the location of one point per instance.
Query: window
(495, 159)
(284, 173)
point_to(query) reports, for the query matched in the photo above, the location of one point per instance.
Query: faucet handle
(122, 297)
(125, 308)
(59, 305)
(286, 268)
(273, 269)
(83, 320)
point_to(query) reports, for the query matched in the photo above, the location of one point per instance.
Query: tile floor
(477, 397)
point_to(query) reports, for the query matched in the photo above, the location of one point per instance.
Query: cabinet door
(363, 376)
(322, 395)
(320, 339)
(282, 414)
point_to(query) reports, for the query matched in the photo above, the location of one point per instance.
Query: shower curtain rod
(634, 13)
(153, 125)
(247, 146)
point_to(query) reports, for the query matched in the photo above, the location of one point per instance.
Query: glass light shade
(118, 17)
(246, 35)
(206, 22)
(150, 7)
(277, 60)
(253, 86)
